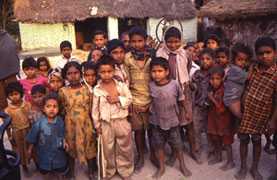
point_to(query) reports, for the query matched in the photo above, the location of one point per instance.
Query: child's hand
(112, 99)
(65, 145)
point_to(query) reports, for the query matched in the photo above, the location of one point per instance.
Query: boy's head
(29, 66)
(105, 68)
(96, 54)
(116, 50)
(173, 38)
(124, 37)
(43, 63)
(38, 92)
(216, 77)
(207, 58)
(66, 49)
(89, 72)
(265, 49)
(138, 38)
(72, 71)
(99, 39)
(212, 41)
(159, 68)
(222, 56)
(14, 92)
(241, 55)
(50, 105)
(55, 79)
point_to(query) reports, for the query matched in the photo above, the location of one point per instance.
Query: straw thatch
(53, 11)
(227, 9)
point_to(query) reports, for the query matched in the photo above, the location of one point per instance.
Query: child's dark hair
(159, 61)
(240, 48)
(43, 59)
(208, 51)
(49, 96)
(69, 65)
(99, 32)
(39, 88)
(29, 62)
(223, 50)
(88, 65)
(65, 44)
(217, 70)
(125, 33)
(105, 60)
(189, 44)
(265, 41)
(172, 32)
(213, 37)
(14, 86)
(137, 31)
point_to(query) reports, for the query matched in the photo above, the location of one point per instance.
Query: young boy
(166, 95)
(212, 42)
(259, 108)
(124, 37)
(111, 100)
(100, 40)
(66, 50)
(222, 58)
(38, 92)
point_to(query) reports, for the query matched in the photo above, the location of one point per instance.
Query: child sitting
(55, 80)
(222, 58)
(89, 74)
(110, 110)
(43, 66)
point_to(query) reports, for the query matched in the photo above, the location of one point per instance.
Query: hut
(45, 23)
(243, 20)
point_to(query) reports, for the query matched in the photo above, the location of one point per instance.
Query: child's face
(106, 72)
(96, 55)
(14, 97)
(37, 99)
(241, 60)
(159, 74)
(216, 80)
(173, 43)
(138, 42)
(266, 55)
(42, 66)
(206, 61)
(222, 59)
(212, 44)
(90, 76)
(118, 54)
(66, 52)
(55, 83)
(99, 40)
(73, 76)
(51, 108)
(30, 72)
(126, 40)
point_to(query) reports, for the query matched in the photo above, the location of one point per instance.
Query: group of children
(81, 111)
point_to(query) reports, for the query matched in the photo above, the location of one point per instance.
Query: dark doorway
(127, 23)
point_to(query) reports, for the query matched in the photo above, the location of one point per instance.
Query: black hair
(88, 65)
(14, 86)
(69, 65)
(172, 32)
(223, 50)
(240, 48)
(65, 44)
(43, 59)
(189, 44)
(124, 34)
(29, 62)
(265, 41)
(113, 44)
(137, 31)
(106, 60)
(159, 61)
(217, 70)
(99, 32)
(39, 88)
(208, 51)
(213, 37)
(53, 96)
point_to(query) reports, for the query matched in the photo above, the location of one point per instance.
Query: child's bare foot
(227, 166)
(185, 171)
(154, 161)
(139, 164)
(159, 173)
(256, 174)
(216, 159)
(171, 161)
(196, 157)
(241, 174)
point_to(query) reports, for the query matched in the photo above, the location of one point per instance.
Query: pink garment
(28, 85)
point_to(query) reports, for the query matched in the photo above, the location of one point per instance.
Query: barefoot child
(109, 112)
(166, 95)
(89, 75)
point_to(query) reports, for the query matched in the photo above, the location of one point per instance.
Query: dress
(79, 132)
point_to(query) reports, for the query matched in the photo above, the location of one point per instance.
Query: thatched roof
(52, 11)
(227, 9)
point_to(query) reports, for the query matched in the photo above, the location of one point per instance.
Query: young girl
(29, 66)
(18, 111)
(89, 75)
(235, 78)
(94, 55)
(220, 126)
(55, 80)
(47, 136)
(76, 100)
(212, 42)
(43, 66)
(166, 95)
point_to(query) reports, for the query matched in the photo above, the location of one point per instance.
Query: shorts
(61, 171)
(139, 120)
(160, 137)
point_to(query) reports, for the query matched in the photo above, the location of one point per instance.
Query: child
(137, 66)
(235, 78)
(166, 95)
(29, 66)
(222, 58)
(100, 40)
(43, 66)
(76, 101)
(66, 50)
(124, 37)
(258, 104)
(89, 74)
(109, 112)
(55, 80)
(47, 136)
(18, 111)
(212, 42)
(178, 65)
(116, 50)
(220, 126)
(38, 92)
(94, 55)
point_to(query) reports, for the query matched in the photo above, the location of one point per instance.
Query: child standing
(99, 40)
(212, 42)
(55, 80)
(77, 100)
(258, 104)
(89, 75)
(38, 92)
(222, 58)
(18, 110)
(29, 66)
(43, 66)
(47, 136)
(220, 126)
(94, 55)
(110, 110)
(166, 95)
(66, 50)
